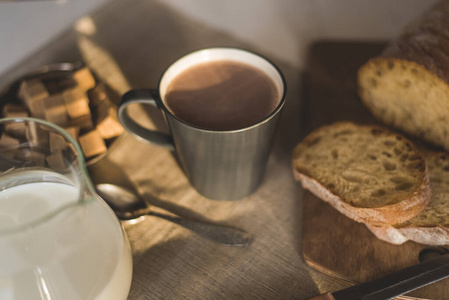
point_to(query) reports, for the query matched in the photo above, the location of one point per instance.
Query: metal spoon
(128, 206)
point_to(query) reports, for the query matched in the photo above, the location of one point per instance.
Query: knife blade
(395, 284)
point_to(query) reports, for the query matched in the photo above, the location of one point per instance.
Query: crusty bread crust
(371, 211)
(425, 41)
(376, 216)
(435, 236)
(407, 85)
(388, 234)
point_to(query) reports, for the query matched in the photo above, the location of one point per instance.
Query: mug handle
(144, 96)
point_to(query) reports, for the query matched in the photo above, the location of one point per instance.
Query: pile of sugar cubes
(76, 103)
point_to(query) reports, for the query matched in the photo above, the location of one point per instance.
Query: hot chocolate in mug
(222, 106)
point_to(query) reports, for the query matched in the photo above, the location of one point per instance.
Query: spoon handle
(225, 235)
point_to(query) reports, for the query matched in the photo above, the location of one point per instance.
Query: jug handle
(148, 97)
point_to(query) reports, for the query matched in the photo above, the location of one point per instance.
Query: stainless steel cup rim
(264, 120)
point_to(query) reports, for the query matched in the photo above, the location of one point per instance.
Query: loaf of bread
(407, 86)
(368, 173)
(430, 226)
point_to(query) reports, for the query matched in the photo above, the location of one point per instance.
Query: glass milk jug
(58, 239)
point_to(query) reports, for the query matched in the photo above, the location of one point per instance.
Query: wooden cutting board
(331, 242)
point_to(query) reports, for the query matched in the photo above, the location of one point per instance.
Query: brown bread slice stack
(407, 88)
(430, 226)
(368, 173)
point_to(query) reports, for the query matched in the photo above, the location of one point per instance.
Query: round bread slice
(368, 173)
(430, 226)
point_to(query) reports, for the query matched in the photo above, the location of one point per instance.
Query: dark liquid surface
(221, 95)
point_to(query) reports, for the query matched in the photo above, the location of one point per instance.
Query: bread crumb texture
(407, 96)
(436, 212)
(366, 166)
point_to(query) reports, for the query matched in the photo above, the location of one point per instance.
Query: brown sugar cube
(73, 131)
(36, 135)
(8, 142)
(37, 108)
(56, 161)
(56, 110)
(76, 102)
(57, 142)
(97, 94)
(84, 79)
(84, 122)
(110, 127)
(11, 110)
(107, 122)
(92, 143)
(17, 130)
(71, 150)
(33, 93)
(26, 154)
(8, 145)
(32, 90)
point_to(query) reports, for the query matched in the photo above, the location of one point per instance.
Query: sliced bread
(407, 86)
(430, 226)
(368, 173)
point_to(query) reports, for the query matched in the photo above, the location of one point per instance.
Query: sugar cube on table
(92, 143)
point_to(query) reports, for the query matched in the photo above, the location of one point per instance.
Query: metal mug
(220, 164)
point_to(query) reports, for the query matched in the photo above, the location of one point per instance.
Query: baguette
(368, 173)
(431, 226)
(407, 86)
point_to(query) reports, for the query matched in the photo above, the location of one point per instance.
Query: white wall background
(281, 28)
(285, 27)
(26, 26)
